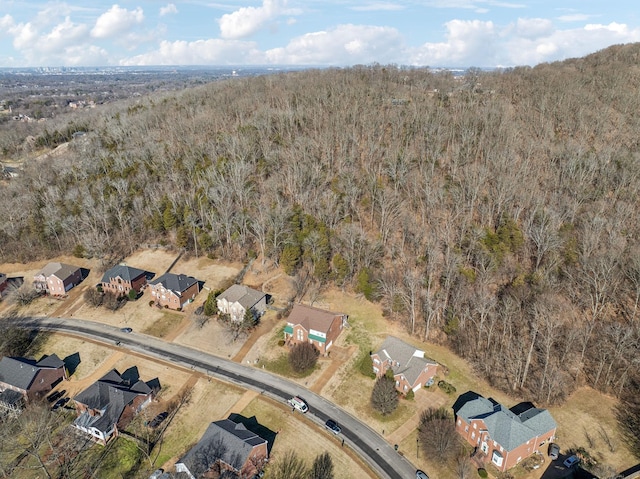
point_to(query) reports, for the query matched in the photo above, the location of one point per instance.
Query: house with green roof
(307, 324)
(502, 436)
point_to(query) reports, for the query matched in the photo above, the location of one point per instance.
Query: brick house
(174, 290)
(411, 369)
(502, 436)
(316, 326)
(121, 279)
(238, 299)
(28, 378)
(109, 404)
(227, 444)
(57, 279)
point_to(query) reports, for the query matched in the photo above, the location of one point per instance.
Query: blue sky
(446, 33)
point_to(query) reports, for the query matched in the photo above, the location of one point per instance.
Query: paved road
(380, 455)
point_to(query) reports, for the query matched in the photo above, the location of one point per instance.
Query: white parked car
(298, 403)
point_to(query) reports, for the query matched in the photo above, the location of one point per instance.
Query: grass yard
(164, 324)
(292, 427)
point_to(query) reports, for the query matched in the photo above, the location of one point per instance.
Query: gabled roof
(20, 372)
(59, 270)
(312, 318)
(245, 296)
(178, 283)
(123, 271)
(411, 361)
(506, 428)
(109, 394)
(232, 441)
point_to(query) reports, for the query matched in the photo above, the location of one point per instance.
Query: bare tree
(303, 357)
(437, 433)
(322, 467)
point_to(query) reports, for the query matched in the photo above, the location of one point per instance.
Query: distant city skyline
(436, 33)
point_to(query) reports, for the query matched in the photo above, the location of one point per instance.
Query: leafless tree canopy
(496, 213)
(303, 357)
(437, 435)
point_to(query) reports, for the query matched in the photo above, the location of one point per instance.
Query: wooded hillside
(496, 212)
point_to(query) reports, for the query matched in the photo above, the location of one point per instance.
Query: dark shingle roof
(411, 361)
(123, 271)
(236, 440)
(506, 428)
(244, 295)
(110, 394)
(175, 282)
(20, 372)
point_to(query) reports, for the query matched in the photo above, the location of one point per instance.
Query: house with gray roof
(57, 279)
(411, 369)
(122, 279)
(110, 404)
(239, 299)
(502, 436)
(174, 291)
(29, 378)
(319, 327)
(225, 445)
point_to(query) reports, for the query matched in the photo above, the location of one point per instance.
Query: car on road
(332, 426)
(554, 451)
(126, 330)
(156, 421)
(421, 474)
(571, 461)
(298, 403)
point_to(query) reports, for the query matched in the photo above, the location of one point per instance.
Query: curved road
(380, 455)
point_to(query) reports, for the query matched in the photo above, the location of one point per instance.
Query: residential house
(25, 379)
(110, 404)
(316, 326)
(57, 279)
(500, 435)
(239, 299)
(4, 283)
(228, 445)
(174, 290)
(411, 369)
(121, 279)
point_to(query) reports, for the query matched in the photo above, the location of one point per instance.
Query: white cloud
(6, 22)
(469, 43)
(378, 6)
(248, 20)
(116, 21)
(63, 35)
(533, 27)
(574, 17)
(168, 9)
(342, 45)
(200, 52)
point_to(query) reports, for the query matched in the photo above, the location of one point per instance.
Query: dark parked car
(554, 451)
(156, 421)
(59, 403)
(56, 395)
(332, 426)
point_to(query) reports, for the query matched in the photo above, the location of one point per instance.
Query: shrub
(384, 397)
(151, 303)
(303, 356)
(483, 473)
(133, 294)
(211, 304)
(93, 297)
(281, 342)
(365, 365)
(410, 396)
(446, 387)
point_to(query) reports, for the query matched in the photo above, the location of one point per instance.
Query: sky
(434, 33)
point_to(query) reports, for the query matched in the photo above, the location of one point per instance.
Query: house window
(475, 426)
(484, 447)
(497, 458)
(397, 383)
(300, 335)
(459, 422)
(473, 435)
(466, 429)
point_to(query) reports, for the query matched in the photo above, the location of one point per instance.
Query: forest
(494, 212)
